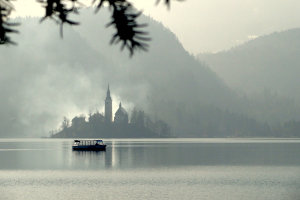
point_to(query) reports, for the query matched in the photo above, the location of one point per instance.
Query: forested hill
(270, 62)
(46, 77)
(166, 71)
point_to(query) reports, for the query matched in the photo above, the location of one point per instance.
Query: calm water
(216, 169)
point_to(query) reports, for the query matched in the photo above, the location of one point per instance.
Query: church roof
(121, 110)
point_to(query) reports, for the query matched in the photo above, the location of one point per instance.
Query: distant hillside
(166, 71)
(268, 63)
(45, 78)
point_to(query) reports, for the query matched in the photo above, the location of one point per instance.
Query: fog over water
(232, 117)
(47, 78)
(263, 169)
(67, 78)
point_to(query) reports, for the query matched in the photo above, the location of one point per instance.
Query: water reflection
(115, 156)
(122, 155)
(89, 159)
(126, 154)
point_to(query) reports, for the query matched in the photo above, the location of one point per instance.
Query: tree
(141, 119)
(123, 18)
(65, 124)
(78, 121)
(162, 128)
(134, 115)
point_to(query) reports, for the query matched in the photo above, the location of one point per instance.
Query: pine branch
(128, 31)
(5, 26)
(58, 11)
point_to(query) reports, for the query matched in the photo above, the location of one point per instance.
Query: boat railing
(87, 142)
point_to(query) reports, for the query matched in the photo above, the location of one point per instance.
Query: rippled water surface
(151, 169)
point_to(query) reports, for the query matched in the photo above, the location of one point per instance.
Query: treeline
(212, 122)
(217, 123)
(209, 121)
(141, 126)
(287, 129)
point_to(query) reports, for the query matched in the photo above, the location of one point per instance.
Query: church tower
(108, 107)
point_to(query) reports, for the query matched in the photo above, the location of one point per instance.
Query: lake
(185, 169)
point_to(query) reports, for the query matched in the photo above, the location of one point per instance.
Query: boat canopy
(88, 140)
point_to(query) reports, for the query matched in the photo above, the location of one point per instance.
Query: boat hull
(89, 148)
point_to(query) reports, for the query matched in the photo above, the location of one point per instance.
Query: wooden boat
(89, 145)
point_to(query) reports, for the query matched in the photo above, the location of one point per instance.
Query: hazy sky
(211, 25)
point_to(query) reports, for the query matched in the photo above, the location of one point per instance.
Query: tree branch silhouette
(5, 26)
(124, 16)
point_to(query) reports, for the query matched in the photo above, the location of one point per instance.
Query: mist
(48, 77)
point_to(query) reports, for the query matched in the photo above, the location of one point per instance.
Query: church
(117, 126)
(121, 116)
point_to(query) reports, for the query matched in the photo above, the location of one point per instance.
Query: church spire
(120, 105)
(108, 106)
(108, 93)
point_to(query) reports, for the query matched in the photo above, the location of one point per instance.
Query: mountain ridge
(269, 62)
(55, 77)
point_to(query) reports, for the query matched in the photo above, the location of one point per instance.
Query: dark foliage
(5, 26)
(167, 2)
(59, 12)
(141, 126)
(123, 19)
(127, 29)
